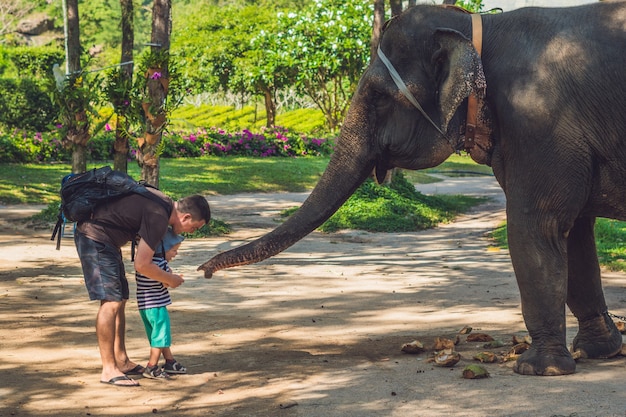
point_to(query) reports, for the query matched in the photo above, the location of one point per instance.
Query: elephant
(549, 92)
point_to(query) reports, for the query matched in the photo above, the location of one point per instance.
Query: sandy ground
(314, 331)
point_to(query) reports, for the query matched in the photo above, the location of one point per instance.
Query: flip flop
(113, 381)
(137, 370)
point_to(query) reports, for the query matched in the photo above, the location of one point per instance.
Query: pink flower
(107, 127)
(156, 75)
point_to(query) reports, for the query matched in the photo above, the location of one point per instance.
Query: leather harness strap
(472, 100)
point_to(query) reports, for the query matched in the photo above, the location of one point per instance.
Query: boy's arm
(145, 266)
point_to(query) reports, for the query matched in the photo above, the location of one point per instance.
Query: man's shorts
(158, 329)
(103, 268)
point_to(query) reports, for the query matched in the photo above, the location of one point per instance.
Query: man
(98, 242)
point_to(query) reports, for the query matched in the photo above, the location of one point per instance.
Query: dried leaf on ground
(486, 357)
(465, 330)
(413, 347)
(445, 343)
(447, 358)
(515, 351)
(479, 337)
(522, 339)
(493, 344)
(475, 372)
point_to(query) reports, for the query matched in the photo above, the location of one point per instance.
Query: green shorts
(157, 323)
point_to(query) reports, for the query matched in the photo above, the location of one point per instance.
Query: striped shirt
(151, 293)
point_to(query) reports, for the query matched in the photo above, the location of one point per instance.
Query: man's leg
(121, 357)
(106, 331)
(105, 280)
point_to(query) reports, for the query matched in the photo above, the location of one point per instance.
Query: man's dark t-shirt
(132, 215)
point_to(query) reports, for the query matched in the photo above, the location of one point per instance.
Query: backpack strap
(57, 231)
(133, 246)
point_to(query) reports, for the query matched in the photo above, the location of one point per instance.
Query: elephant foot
(598, 338)
(539, 362)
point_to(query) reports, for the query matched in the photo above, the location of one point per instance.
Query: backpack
(82, 193)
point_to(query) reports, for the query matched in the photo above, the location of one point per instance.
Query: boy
(152, 299)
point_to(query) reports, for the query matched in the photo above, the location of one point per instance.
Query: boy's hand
(175, 281)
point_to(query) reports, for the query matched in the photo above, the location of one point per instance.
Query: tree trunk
(377, 26)
(120, 147)
(270, 109)
(78, 123)
(396, 7)
(156, 85)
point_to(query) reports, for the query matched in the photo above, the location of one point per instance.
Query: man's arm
(145, 266)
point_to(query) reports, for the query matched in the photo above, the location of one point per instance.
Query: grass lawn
(40, 183)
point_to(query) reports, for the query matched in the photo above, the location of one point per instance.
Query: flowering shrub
(21, 146)
(269, 142)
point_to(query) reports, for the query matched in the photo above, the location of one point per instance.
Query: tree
(156, 86)
(377, 26)
(265, 70)
(77, 121)
(396, 7)
(120, 147)
(225, 50)
(327, 44)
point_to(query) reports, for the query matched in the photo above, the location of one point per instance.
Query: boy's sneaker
(155, 372)
(174, 368)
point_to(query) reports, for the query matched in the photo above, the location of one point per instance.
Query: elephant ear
(460, 71)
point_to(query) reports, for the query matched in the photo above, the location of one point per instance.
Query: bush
(277, 141)
(22, 146)
(25, 105)
(394, 208)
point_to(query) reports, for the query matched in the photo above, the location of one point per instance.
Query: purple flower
(156, 75)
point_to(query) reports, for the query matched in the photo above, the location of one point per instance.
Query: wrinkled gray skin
(556, 101)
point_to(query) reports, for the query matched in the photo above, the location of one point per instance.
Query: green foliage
(610, 237)
(78, 93)
(100, 26)
(305, 120)
(47, 146)
(395, 208)
(100, 22)
(24, 104)
(213, 39)
(36, 61)
(328, 44)
(120, 92)
(475, 6)
(214, 228)
(499, 236)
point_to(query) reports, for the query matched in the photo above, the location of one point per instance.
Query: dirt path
(314, 331)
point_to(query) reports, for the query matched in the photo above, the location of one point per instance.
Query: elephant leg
(539, 256)
(597, 335)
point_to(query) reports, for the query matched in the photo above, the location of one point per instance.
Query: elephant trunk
(349, 166)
